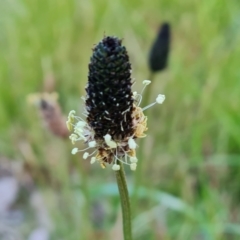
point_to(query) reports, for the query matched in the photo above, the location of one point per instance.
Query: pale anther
(93, 160)
(92, 144)
(116, 167)
(69, 125)
(71, 115)
(111, 144)
(107, 137)
(74, 150)
(85, 155)
(73, 138)
(132, 144)
(133, 159)
(133, 166)
(160, 98)
(146, 82)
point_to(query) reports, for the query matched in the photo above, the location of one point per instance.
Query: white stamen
(133, 166)
(79, 118)
(85, 155)
(92, 153)
(146, 82)
(120, 160)
(139, 99)
(74, 151)
(148, 106)
(93, 160)
(92, 144)
(116, 167)
(160, 98)
(80, 133)
(132, 144)
(134, 94)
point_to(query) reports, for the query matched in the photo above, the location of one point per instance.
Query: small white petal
(93, 160)
(92, 144)
(160, 98)
(74, 150)
(132, 144)
(133, 166)
(146, 82)
(133, 159)
(107, 137)
(116, 167)
(85, 155)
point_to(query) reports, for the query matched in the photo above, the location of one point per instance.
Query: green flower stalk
(114, 119)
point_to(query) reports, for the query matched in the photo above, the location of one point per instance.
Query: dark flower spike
(113, 116)
(159, 52)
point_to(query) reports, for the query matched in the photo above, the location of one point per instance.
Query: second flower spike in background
(158, 55)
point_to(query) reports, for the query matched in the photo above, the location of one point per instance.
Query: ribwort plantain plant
(113, 117)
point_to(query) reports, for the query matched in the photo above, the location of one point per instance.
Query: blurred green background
(189, 178)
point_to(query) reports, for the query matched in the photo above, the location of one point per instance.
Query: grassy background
(190, 180)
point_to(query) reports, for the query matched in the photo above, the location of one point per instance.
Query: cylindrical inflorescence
(109, 100)
(114, 118)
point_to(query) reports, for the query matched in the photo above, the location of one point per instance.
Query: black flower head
(113, 116)
(109, 99)
(158, 55)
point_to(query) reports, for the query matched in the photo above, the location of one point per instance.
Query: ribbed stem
(125, 203)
